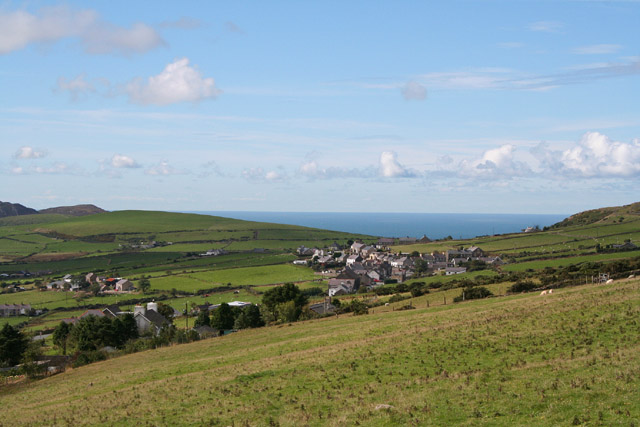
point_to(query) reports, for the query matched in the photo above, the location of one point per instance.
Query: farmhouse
(123, 285)
(343, 286)
(148, 319)
(7, 310)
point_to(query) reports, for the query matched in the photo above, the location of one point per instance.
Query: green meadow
(571, 358)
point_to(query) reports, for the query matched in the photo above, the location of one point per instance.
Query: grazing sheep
(609, 281)
(550, 291)
(543, 293)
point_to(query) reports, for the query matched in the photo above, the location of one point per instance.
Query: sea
(433, 225)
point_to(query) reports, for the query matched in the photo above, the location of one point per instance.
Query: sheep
(543, 293)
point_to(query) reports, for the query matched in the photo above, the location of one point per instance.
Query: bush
(358, 307)
(87, 357)
(397, 297)
(522, 286)
(476, 292)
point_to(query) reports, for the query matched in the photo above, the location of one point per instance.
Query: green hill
(48, 237)
(570, 358)
(600, 215)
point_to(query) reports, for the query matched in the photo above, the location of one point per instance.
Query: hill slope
(598, 215)
(573, 357)
(76, 210)
(15, 209)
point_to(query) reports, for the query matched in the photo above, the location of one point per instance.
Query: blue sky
(451, 106)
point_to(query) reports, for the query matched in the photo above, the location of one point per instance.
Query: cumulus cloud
(163, 169)
(259, 174)
(312, 170)
(497, 163)
(27, 152)
(414, 91)
(50, 24)
(120, 161)
(77, 87)
(390, 167)
(595, 155)
(178, 82)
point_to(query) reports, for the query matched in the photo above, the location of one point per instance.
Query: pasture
(569, 358)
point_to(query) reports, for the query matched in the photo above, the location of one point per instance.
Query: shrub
(397, 297)
(473, 292)
(358, 307)
(522, 286)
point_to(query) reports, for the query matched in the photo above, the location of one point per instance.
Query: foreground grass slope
(570, 358)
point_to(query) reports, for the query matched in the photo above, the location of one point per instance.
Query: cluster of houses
(370, 265)
(7, 310)
(214, 252)
(147, 318)
(107, 284)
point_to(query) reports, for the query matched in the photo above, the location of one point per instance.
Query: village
(362, 266)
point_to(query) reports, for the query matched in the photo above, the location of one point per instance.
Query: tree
(222, 317)
(281, 294)
(166, 311)
(420, 266)
(358, 307)
(288, 311)
(124, 329)
(94, 288)
(13, 344)
(249, 317)
(61, 335)
(144, 285)
(202, 319)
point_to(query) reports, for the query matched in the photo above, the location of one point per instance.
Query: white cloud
(414, 91)
(106, 38)
(597, 49)
(391, 168)
(76, 87)
(178, 82)
(259, 174)
(312, 170)
(50, 24)
(55, 169)
(497, 163)
(27, 152)
(546, 26)
(119, 161)
(595, 155)
(163, 169)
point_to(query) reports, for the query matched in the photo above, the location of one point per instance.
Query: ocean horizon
(433, 225)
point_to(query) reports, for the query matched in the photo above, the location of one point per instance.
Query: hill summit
(14, 209)
(77, 210)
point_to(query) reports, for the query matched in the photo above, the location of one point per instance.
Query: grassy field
(566, 359)
(263, 275)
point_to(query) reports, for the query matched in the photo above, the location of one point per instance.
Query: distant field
(561, 262)
(568, 359)
(236, 276)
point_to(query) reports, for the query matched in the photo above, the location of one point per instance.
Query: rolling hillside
(571, 358)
